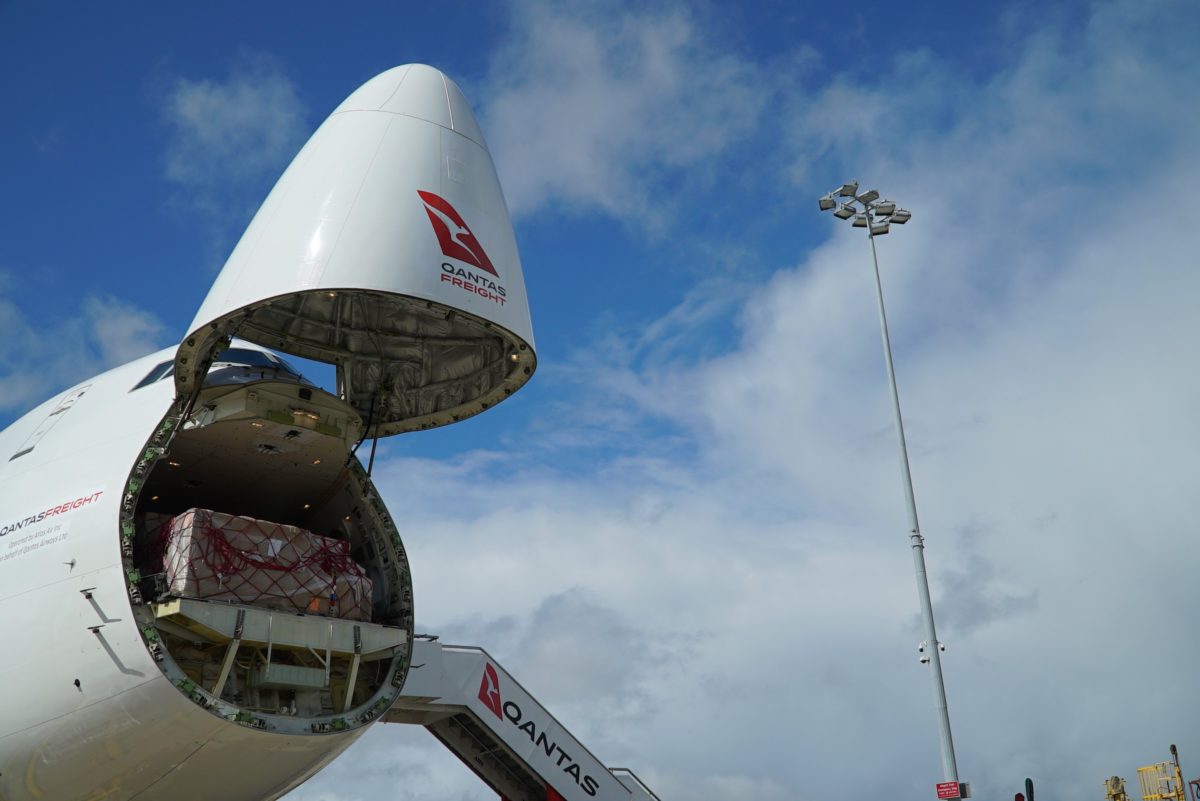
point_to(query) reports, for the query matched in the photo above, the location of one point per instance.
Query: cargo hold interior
(276, 450)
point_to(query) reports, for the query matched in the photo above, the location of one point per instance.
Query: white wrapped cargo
(210, 555)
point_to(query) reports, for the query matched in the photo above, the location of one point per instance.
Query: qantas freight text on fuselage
(51, 512)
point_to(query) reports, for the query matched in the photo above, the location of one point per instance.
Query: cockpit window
(159, 372)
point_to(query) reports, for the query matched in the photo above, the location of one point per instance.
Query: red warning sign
(947, 790)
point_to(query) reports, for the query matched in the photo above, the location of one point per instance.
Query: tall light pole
(867, 211)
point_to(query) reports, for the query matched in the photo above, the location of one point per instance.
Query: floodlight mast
(877, 216)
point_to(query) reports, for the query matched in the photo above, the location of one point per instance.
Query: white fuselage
(85, 711)
(385, 249)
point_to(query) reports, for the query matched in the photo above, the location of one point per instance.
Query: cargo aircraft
(203, 596)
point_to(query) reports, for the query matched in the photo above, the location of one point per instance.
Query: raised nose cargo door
(387, 250)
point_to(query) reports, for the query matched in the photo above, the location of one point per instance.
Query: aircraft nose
(421, 91)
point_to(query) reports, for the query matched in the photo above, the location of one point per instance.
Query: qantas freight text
(473, 282)
(51, 512)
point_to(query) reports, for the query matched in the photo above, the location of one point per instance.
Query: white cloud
(244, 126)
(1044, 326)
(394, 762)
(120, 330)
(589, 109)
(231, 138)
(39, 357)
(577, 652)
(720, 786)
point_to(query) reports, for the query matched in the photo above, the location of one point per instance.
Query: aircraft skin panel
(58, 502)
(125, 727)
(107, 410)
(319, 197)
(150, 742)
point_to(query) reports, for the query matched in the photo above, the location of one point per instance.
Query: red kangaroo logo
(489, 690)
(454, 235)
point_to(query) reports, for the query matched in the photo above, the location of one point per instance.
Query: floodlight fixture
(885, 207)
(828, 202)
(870, 196)
(860, 221)
(900, 217)
(849, 189)
(844, 212)
(879, 228)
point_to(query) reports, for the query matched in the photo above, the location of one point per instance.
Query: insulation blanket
(223, 557)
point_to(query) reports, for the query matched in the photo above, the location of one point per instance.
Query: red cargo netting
(218, 556)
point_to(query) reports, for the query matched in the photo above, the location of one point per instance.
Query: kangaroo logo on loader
(489, 690)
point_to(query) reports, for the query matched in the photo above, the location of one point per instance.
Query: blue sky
(686, 533)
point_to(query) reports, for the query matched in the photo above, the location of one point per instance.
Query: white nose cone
(385, 248)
